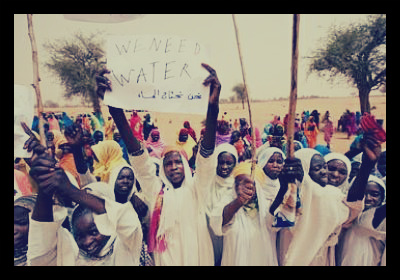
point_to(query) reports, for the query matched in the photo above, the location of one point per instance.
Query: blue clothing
(67, 121)
(124, 150)
(324, 150)
(35, 124)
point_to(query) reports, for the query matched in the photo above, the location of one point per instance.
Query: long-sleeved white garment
(325, 210)
(364, 245)
(183, 222)
(249, 238)
(220, 187)
(51, 244)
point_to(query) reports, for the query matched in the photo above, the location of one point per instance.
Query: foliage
(357, 52)
(50, 104)
(239, 94)
(76, 63)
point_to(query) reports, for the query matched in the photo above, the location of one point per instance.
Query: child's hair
(79, 211)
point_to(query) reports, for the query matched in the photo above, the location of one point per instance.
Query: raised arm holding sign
(180, 244)
(133, 144)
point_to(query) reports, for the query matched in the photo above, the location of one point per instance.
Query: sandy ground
(169, 124)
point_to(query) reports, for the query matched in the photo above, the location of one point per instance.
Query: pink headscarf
(157, 147)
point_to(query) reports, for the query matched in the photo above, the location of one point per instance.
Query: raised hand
(76, 136)
(42, 171)
(32, 144)
(103, 83)
(245, 189)
(371, 146)
(212, 81)
(292, 169)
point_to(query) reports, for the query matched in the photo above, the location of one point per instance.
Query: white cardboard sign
(24, 102)
(157, 73)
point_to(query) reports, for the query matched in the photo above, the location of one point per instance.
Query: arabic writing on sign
(168, 95)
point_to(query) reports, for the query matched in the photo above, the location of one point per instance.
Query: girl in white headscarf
(117, 233)
(123, 189)
(364, 243)
(247, 239)
(325, 210)
(248, 235)
(178, 234)
(339, 168)
(223, 183)
(125, 255)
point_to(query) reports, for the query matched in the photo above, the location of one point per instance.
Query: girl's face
(21, 227)
(337, 172)
(174, 168)
(87, 236)
(318, 170)
(373, 195)
(274, 166)
(226, 163)
(124, 182)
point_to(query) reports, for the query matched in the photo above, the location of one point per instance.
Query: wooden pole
(246, 94)
(291, 194)
(36, 80)
(293, 87)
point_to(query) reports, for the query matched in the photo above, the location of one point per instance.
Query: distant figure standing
(148, 126)
(328, 128)
(315, 114)
(191, 131)
(136, 125)
(311, 131)
(350, 123)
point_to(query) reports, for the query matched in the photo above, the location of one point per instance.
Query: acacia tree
(76, 63)
(358, 53)
(239, 92)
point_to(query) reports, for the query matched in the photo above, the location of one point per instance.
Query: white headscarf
(103, 222)
(113, 179)
(270, 186)
(226, 147)
(171, 206)
(265, 154)
(107, 224)
(380, 182)
(178, 210)
(323, 211)
(221, 189)
(344, 187)
(220, 185)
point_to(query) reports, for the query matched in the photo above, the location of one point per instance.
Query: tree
(51, 104)
(76, 63)
(239, 91)
(358, 53)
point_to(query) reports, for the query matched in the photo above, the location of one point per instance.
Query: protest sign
(24, 101)
(157, 73)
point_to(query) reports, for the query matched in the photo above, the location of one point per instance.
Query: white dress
(50, 244)
(183, 222)
(248, 238)
(363, 244)
(325, 211)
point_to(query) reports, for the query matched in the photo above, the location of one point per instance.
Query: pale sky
(265, 41)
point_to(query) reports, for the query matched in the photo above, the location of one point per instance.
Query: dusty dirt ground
(263, 112)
